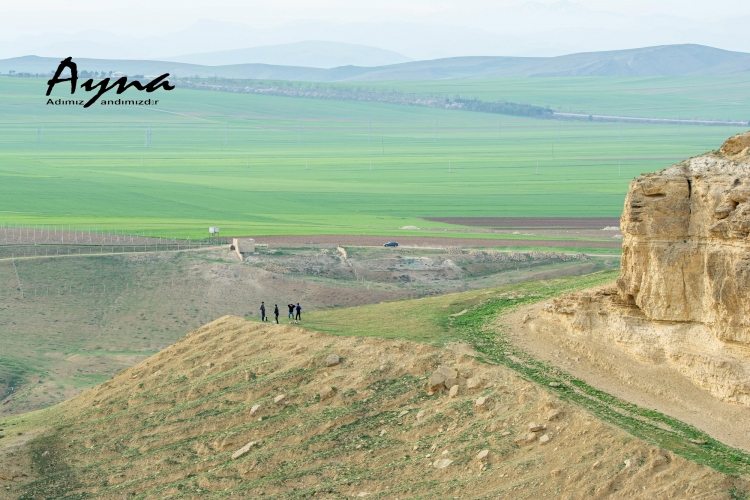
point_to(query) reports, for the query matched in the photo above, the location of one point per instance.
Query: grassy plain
(273, 165)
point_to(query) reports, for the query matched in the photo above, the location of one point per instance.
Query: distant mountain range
(668, 60)
(313, 54)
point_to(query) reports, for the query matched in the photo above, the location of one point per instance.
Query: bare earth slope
(170, 426)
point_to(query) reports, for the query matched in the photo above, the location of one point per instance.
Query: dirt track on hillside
(425, 241)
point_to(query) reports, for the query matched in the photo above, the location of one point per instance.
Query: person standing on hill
(263, 311)
(276, 312)
(291, 311)
(299, 312)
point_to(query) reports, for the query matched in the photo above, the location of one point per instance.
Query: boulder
(254, 409)
(450, 382)
(280, 398)
(333, 360)
(442, 463)
(473, 383)
(526, 438)
(436, 382)
(453, 393)
(483, 455)
(244, 450)
(326, 393)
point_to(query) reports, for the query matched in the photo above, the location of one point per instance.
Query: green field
(701, 97)
(273, 165)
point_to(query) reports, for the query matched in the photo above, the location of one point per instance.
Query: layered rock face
(686, 251)
(683, 296)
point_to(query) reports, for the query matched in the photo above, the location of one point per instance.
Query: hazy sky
(150, 17)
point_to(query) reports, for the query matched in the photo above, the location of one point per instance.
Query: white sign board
(213, 230)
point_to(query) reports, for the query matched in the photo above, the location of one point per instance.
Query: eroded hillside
(241, 409)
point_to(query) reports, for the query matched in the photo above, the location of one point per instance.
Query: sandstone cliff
(683, 297)
(685, 250)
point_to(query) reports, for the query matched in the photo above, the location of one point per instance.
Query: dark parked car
(391, 244)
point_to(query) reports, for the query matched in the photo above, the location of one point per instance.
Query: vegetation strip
(649, 425)
(341, 93)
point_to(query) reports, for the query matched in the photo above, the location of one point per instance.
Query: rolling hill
(666, 60)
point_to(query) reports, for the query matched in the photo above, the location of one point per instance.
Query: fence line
(43, 234)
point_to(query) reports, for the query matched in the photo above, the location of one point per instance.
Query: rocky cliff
(686, 252)
(683, 296)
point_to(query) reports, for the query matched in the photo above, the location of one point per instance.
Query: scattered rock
(453, 392)
(473, 383)
(536, 428)
(362, 494)
(527, 438)
(544, 439)
(333, 360)
(553, 414)
(436, 382)
(555, 472)
(244, 450)
(698, 441)
(525, 318)
(326, 393)
(442, 463)
(278, 399)
(628, 463)
(597, 464)
(482, 455)
(254, 409)
(404, 412)
(554, 384)
(421, 414)
(450, 382)
(506, 433)
(481, 402)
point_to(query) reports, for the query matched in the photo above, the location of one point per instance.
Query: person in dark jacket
(276, 312)
(262, 311)
(291, 311)
(299, 312)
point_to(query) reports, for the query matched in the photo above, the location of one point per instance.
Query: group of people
(295, 312)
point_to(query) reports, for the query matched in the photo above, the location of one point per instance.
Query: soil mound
(248, 410)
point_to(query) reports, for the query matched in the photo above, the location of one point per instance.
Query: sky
(415, 29)
(153, 17)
